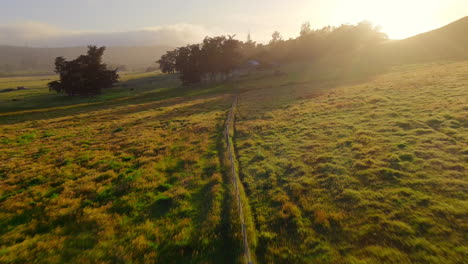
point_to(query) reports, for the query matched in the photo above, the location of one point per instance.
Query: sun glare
(398, 18)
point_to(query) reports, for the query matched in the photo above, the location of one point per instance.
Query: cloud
(37, 34)
(21, 33)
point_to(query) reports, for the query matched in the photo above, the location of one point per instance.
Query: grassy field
(339, 165)
(132, 179)
(359, 172)
(37, 95)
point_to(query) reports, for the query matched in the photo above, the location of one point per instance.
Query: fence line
(235, 177)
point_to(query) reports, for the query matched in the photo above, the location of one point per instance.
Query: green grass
(37, 96)
(361, 172)
(339, 165)
(116, 179)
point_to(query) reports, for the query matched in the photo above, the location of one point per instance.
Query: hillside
(369, 171)
(338, 167)
(139, 180)
(41, 59)
(447, 43)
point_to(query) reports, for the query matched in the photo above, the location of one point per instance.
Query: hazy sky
(175, 22)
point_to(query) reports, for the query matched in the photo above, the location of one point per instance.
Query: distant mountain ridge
(13, 58)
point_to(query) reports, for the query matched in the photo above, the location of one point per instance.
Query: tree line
(218, 57)
(214, 58)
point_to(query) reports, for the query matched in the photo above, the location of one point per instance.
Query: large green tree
(167, 62)
(215, 57)
(86, 75)
(188, 63)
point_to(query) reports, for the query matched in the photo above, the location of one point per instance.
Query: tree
(168, 61)
(275, 37)
(212, 56)
(86, 75)
(188, 63)
(216, 56)
(231, 54)
(305, 29)
(220, 55)
(249, 47)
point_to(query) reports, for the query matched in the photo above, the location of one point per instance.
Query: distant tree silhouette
(337, 42)
(305, 29)
(249, 47)
(86, 75)
(275, 37)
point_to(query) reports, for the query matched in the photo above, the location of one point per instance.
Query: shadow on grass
(162, 87)
(58, 102)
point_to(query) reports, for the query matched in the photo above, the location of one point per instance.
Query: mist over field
(36, 34)
(32, 46)
(41, 60)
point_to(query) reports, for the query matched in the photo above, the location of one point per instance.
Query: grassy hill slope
(370, 172)
(132, 176)
(340, 165)
(447, 43)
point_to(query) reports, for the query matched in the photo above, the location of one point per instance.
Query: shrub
(402, 145)
(390, 174)
(160, 206)
(329, 168)
(350, 196)
(406, 157)
(434, 123)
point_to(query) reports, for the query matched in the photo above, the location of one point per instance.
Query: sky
(52, 23)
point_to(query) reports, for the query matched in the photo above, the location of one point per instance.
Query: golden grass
(339, 166)
(366, 173)
(139, 183)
